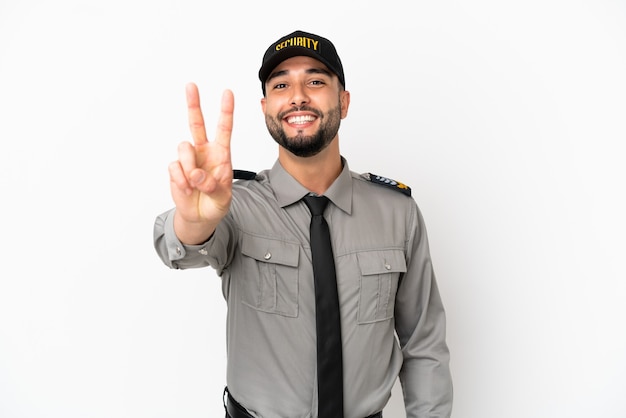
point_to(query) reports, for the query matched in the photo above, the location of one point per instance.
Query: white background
(506, 118)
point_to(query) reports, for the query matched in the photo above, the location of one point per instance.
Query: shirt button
(267, 255)
(178, 251)
(203, 251)
(387, 266)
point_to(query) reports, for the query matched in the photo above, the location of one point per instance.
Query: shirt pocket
(380, 273)
(270, 279)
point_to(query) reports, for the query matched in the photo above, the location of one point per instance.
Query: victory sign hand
(201, 178)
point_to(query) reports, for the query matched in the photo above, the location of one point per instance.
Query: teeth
(300, 119)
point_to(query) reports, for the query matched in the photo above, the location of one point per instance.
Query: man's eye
(280, 86)
(317, 82)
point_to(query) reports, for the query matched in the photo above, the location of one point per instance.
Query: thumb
(196, 177)
(203, 182)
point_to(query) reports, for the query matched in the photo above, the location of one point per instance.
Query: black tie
(329, 352)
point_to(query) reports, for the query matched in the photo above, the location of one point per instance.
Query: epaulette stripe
(385, 181)
(244, 175)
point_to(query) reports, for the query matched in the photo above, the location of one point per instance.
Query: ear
(344, 99)
(263, 104)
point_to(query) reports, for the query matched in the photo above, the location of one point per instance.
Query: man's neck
(315, 173)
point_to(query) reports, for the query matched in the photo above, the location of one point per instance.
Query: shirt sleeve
(177, 255)
(421, 328)
(172, 252)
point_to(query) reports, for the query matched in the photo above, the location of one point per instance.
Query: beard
(306, 145)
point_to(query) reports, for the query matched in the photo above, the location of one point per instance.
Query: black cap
(301, 43)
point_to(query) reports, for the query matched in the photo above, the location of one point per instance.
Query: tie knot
(316, 204)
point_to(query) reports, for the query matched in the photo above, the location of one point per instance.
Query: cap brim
(269, 65)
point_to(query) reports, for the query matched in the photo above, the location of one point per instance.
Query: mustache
(300, 109)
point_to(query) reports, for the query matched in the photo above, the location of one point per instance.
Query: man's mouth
(299, 120)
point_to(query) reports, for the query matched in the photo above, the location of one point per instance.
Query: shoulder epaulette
(384, 181)
(244, 175)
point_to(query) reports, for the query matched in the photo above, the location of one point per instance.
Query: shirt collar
(288, 191)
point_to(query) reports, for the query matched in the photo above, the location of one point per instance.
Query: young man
(258, 234)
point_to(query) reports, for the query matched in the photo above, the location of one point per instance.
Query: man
(258, 235)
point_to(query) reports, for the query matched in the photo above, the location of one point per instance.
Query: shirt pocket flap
(381, 262)
(270, 250)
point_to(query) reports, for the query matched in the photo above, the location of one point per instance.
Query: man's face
(304, 105)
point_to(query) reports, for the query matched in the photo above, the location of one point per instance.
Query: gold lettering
(309, 43)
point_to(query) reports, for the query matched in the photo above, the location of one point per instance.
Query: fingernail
(197, 177)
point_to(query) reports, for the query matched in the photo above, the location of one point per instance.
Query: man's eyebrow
(319, 71)
(309, 71)
(276, 74)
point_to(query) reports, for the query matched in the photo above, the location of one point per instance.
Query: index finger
(196, 120)
(225, 122)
